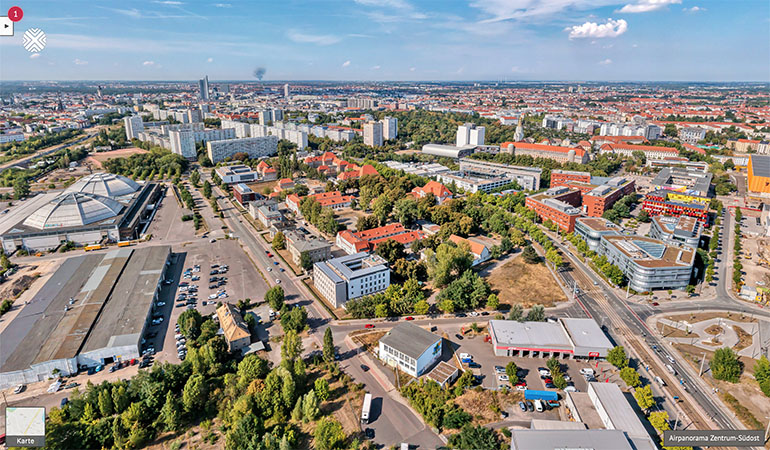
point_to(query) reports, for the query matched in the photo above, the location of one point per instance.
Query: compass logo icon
(34, 40)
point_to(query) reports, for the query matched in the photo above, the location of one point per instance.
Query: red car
(521, 383)
(655, 303)
(368, 325)
(548, 380)
(409, 318)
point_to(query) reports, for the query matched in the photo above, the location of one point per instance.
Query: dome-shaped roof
(106, 184)
(72, 209)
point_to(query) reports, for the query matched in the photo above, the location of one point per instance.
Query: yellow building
(236, 330)
(759, 174)
(687, 198)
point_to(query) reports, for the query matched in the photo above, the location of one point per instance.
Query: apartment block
(350, 277)
(254, 147)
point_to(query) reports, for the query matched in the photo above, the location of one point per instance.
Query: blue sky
(698, 40)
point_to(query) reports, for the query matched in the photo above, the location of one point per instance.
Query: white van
(587, 371)
(670, 369)
(660, 381)
(465, 356)
(538, 406)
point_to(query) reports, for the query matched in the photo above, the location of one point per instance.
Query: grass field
(96, 159)
(525, 284)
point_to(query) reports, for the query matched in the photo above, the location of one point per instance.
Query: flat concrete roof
(618, 409)
(586, 333)
(544, 424)
(569, 439)
(409, 339)
(535, 335)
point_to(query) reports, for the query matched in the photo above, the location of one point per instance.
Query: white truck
(366, 408)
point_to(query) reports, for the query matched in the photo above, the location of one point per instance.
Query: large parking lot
(242, 281)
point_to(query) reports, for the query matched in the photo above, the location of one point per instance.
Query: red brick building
(563, 177)
(560, 205)
(243, 194)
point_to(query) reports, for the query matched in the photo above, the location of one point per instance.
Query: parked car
(544, 372)
(71, 385)
(523, 406)
(409, 318)
(499, 369)
(459, 336)
(64, 402)
(502, 377)
(364, 367)
(19, 389)
(530, 406)
(587, 371)
(369, 325)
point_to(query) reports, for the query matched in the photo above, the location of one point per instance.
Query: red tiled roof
(643, 148)
(548, 148)
(476, 247)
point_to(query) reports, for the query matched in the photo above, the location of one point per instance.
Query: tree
(328, 345)
(105, 403)
(194, 394)
(207, 189)
(617, 357)
(5, 262)
(120, 398)
(251, 368)
(367, 223)
(530, 255)
(447, 306)
(20, 188)
(559, 381)
(725, 365)
(477, 438)
(448, 262)
(275, 297)
(493, 302)
(305, 261)
(190, 323)
(170, 414)
(391, 250)
(195, 178)
(279, 241)
(512, 370)
(670, 130)
(630, 376)
(406, 210)
(659, 421)
(310, 408)
(291, 347)
(322, 389)
(536, 314)
(553, 365)
(517, 237)
(381, 310)
(643, 216)
(296, 413)
(762, 374)
(554, 257)
(516, 312)
(644, 397)
(421, 307)
(328, 434)
(294, 319)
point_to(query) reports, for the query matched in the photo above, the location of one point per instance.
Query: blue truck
(532, 394)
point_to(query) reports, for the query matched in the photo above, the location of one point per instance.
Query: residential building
(373, 134)
(236, 173)
(658, 203)
(243, 194)
(333, 199)
(554, 152)
(692, 135)
(749, 145)
(183, 142)
(411, 348)
(235, 329)
(348, 277)
(650, 151)
(591, 230)
(560, 205)
(266, 212)
(564, 339)
(479, 251)
(682, 230)
(448, 151)
(759, 175)
(389, 128)
(358, 241)
(527, 177)
(266, 172)
(434, 188)
(19, 137)
(255, 147)
(470, 134)
(133, 126)
(298, 243)
(557, 123)
(649, 263)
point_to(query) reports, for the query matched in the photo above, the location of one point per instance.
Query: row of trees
(737, 247)
(407, 298)
(156, 163)
(16, 149)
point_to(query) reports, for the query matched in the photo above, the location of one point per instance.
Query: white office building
(286, 90)
(254, 147)
(373, 134)
(203, 88)
(183, 142)
(389, 128)
(133, 126)
(352, 276)
(470, 134)
(410, 348)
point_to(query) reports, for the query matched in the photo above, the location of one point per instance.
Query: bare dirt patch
(714, 330)
(744, 338)
(485, 405)
(264, 187)
(525, 284)
(18, 286)
(668, 331)
(96, 159)
(367, 339)
(700, 317)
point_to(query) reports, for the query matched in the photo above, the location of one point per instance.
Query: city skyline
(396, 40)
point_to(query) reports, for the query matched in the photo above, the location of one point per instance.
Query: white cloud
(148, 63)
(375, 67)
(346, 63)
(169, 2)
(34, 56)
(605, 62)
(318, 39)
(613, 28)
(502, 10)
(210, 60)
(398, 4)
(80, 62)
(694, 9)
(643, 6)
(222, 5)
(515, 69)
(412, 69)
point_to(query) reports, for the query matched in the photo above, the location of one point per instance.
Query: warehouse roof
(569, 439)
(616, 406)
(530, 334)
(586, 333)
(409, 339)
